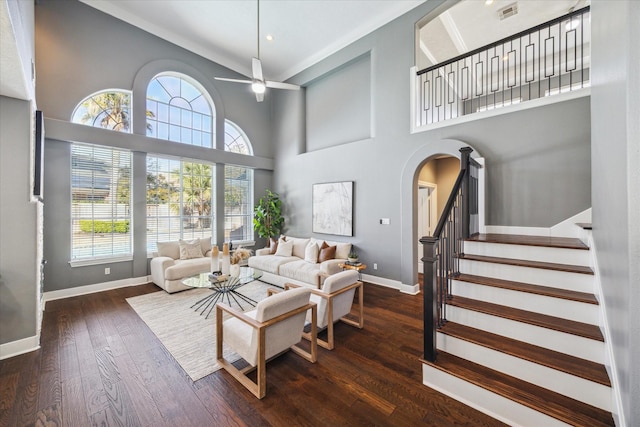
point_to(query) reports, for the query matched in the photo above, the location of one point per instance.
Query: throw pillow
(205, 245)
(169, 249)
(191, 249)
(273, 245)
(311, 253)
(326, 252)
(284, 248)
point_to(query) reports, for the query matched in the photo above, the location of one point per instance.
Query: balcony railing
(545, 60)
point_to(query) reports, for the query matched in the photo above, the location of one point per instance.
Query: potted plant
(267, 215)
(353, 256)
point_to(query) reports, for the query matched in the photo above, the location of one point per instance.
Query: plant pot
(352, 260)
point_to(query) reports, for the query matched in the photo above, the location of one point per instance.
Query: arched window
(238, 187)
(235, 140)
(179, 109)
(108, 109)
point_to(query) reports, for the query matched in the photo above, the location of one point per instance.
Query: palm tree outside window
(107, 109)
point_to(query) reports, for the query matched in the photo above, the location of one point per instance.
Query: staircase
(522, 342)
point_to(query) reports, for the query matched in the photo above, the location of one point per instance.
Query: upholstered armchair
(334, 301)
(274, 326)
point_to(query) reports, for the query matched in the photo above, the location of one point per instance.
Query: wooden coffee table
(223, 288)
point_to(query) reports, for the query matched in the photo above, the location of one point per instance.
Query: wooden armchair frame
(259, 388)
(359, 323)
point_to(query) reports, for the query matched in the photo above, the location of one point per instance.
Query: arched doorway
(435, 180)
(448, 148)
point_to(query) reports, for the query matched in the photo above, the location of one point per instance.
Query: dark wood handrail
(506, 39)
(450, 201)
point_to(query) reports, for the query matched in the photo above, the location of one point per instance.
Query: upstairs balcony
(547, 60)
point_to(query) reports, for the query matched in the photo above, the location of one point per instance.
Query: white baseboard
(394, 284)
(16, 348)
(98, 287)
(609, 359)
(566, 228)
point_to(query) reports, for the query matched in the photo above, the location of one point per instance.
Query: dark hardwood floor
(100, 365)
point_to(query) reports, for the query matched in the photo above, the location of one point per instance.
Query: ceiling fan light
(258, 87)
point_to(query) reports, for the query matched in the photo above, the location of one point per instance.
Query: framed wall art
(333, 208)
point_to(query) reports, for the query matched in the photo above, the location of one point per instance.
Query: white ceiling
(224, 31)
(304, 31)
(471, 24)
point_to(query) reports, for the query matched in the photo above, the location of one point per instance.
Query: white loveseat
(170, 264)
(300, 266)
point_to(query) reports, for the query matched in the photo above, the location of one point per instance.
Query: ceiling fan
(257, 82)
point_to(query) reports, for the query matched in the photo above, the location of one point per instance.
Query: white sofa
(299, 267)
(169, 266)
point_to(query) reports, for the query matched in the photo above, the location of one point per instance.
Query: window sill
(98, 261)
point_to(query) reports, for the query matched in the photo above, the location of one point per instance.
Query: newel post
(465, 154)
(430, 292)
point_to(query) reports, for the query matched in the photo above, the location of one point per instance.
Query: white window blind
(238, 188)
(180, 200)
(100, 203)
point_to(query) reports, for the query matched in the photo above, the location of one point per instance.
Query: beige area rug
(187, 335)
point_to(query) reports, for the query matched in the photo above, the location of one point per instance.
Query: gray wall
(18, 224)
(80, 51)
(339, 105)
(616, 184)
(538, 160)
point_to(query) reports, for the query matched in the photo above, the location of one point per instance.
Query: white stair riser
(492, 404)
(536, 276)
(532, 253)
(577, 388)
(557, 307)
(574, 345)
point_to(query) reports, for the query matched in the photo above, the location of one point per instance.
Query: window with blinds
(238, 187)
(100, 203)
(180, 200)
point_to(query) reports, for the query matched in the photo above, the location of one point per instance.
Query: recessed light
(488, 2)
(269, 37)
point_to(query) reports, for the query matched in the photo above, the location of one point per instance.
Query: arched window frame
(107, 112)
(183, 113)
(235, 140)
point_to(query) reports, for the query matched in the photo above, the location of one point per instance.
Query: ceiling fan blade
(278, 85)
(233, 80)
(259, 97)
(256, 67)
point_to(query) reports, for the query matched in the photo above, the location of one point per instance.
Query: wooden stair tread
(581, 368)
(542, 320)
(532, 264)
(553, 404)
(529, 288)
(546, 241)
